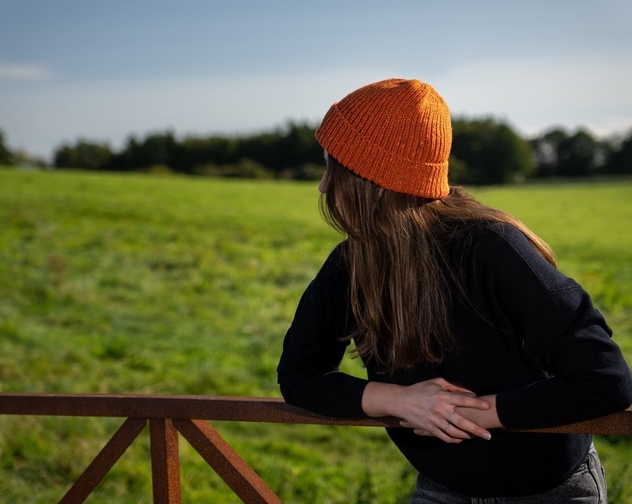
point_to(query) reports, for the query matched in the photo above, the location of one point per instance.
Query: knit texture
(395, 133)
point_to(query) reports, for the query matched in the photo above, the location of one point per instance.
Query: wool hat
(395, 133)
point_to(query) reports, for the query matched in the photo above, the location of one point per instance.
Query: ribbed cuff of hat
(395, 133)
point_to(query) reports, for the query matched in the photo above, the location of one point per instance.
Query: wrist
(381, 399)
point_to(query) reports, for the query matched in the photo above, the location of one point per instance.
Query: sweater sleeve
(560, 333)
(308, 371)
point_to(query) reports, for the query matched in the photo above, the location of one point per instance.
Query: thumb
(451, 387)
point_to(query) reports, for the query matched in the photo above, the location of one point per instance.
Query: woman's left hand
(432, 408)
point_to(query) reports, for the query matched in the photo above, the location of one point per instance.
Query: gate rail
(188, 415)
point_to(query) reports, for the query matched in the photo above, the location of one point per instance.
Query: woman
(458, 312)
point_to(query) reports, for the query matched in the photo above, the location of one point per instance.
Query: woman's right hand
(428, 407)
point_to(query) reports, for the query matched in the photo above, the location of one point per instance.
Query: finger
(422, 432)
(455, 432)
(446, 385)
(440, 381)
(467, 426)
(468, 401)
(445, 436)
(458, 436)
(461, 392)
(406, 424)
(451, 387)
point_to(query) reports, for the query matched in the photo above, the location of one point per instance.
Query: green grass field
(170, 285)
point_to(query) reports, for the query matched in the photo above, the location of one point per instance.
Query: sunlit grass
(136, 284)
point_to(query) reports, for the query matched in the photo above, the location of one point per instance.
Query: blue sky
(105, 69)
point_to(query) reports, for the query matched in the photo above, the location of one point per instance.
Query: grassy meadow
(171, 285)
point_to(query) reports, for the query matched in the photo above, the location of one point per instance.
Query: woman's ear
(322, 187)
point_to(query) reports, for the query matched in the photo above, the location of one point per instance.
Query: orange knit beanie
(395, 133)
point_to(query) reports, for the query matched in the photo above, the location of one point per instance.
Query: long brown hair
(397, 243)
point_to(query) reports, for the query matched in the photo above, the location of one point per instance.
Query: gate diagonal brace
(103, 462)
(237, 474)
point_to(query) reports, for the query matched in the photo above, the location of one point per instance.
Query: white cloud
(24, 72)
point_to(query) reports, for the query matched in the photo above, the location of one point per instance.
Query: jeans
(587, 486)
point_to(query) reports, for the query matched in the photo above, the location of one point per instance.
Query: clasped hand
(435, 408)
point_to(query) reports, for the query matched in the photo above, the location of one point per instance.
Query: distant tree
(160, 148)
(457, 171)
(125, 160)
(291, 151)
(156, 149)
(198, 153)
(558, 153)
(299, 146)
(6, 157)
(283, 150)
(264, 148)
(547, 152)
(84, 154)
(490, 152)
(578, 155)
(484, 151)
(619, 157)
(307, 171)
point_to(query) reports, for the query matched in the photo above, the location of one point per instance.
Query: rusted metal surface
(619, 423)
(104, 461)
(187, 414)
(242, 409)
(238, 475)
(165, 461)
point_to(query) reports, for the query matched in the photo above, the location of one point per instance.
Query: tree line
(484, 151)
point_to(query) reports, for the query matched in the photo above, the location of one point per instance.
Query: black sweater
(527, 333)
